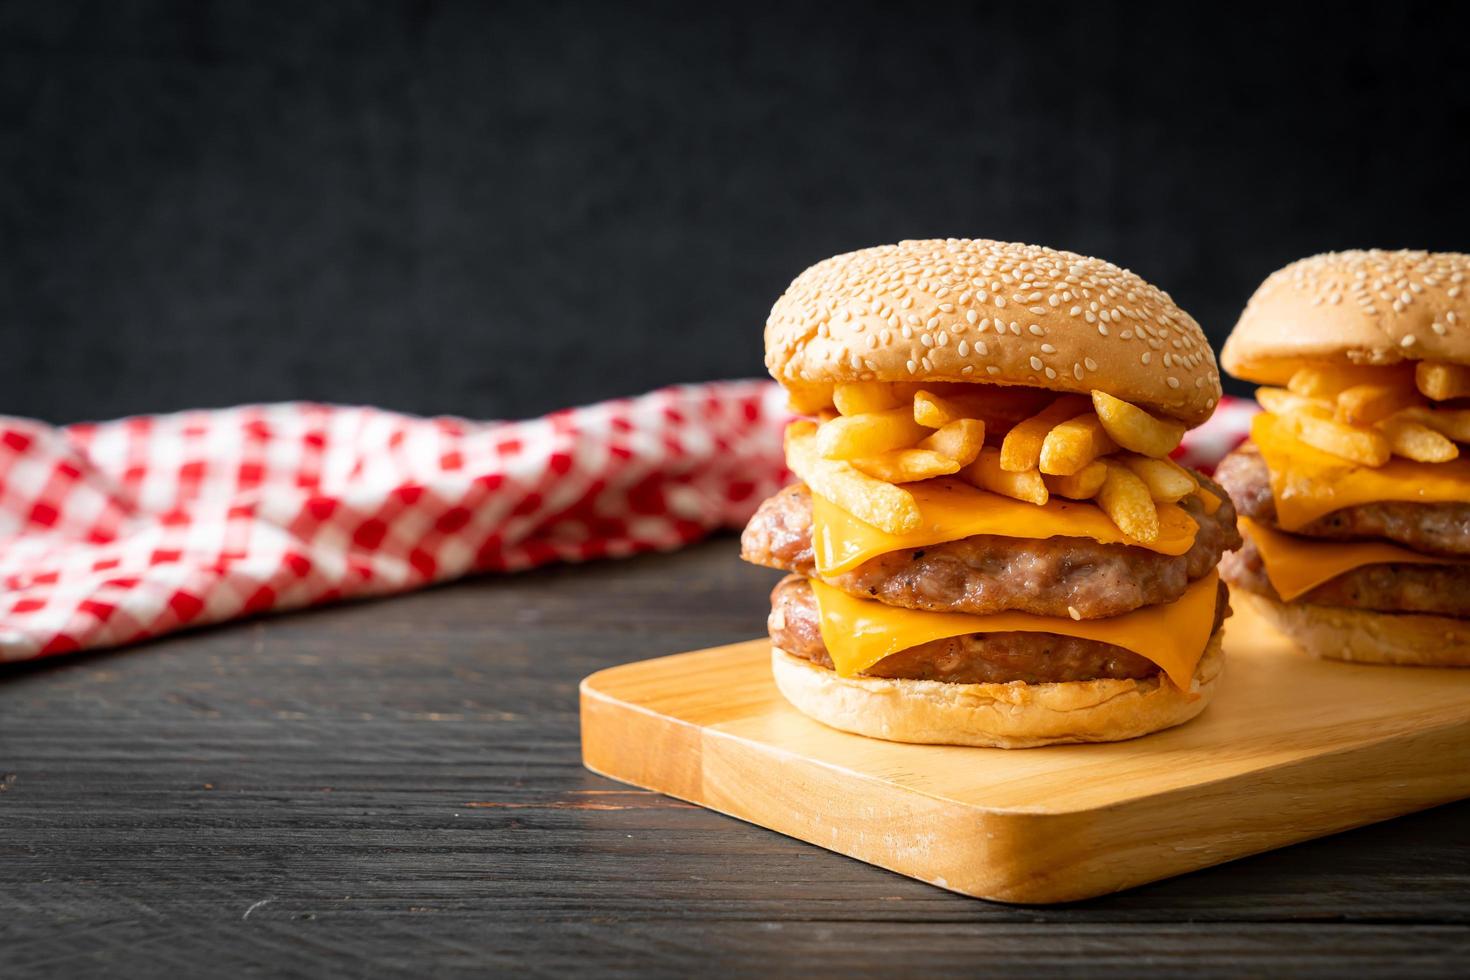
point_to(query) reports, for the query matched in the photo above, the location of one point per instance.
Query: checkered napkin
(116, 532)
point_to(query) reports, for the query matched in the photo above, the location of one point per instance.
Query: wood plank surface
(396, 789)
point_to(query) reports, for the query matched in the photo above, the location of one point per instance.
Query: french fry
(1208, 500)
(1280, 401)
(1451, 422)
(1368, 403)
(988, 474)
(1133, 428)
(1167, 481)
(1328, 380)
(1126, 500)
(999, 408)
(1082, 485)
(1417, 441)
(937, 411)
(866, 396)
(960, 440)
(1073, 444)
(856, 436)
(1021, 449)
(883, 505)
(1441, 381)
(906, 465)
(808, 397)
(1367, 447)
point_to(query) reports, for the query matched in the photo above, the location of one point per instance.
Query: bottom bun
(1004, 716)
(1367, 637)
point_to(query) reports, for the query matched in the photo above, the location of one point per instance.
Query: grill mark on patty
(1434, 529)
(989, 573)
(977, 658)
(1441, 590)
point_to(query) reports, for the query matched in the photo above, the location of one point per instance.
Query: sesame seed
(1102, 328)
(1036, 331)
(963, 349)
(1173, 382)
(1035, 363)
(1050, 374)
(926, 340)
(973, 316)
(913, 368)
(1015, 328)
(1409, 341)
(981, 349)
(1075, 311)
(991, 369)
(1077, 371)
(1048, 349)
(1146, 357)
(1090, 363)
(1000, 302)
(968, 369)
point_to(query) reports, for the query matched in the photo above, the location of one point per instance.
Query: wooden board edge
(632, 744)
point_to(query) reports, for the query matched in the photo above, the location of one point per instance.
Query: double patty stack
(988, 545)
(1354, 491)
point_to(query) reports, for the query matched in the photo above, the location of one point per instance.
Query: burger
(1353, 489)
(988, 543)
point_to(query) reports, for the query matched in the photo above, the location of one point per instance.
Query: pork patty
(990, 573)
(1440, 590)
(978, 658)
(1434, 529)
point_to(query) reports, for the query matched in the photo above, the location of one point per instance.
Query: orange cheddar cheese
(1308, 483)
(951, 510)
(860, 632)
(1298, 565)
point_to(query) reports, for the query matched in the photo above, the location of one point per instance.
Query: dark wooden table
(394, 788)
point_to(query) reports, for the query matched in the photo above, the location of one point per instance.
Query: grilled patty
(978, 658)
(1434, 529)
(989, 573)
(1441, 590)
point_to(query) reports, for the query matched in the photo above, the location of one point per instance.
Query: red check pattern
(117, 532)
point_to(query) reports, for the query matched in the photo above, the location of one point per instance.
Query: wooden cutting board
(1292, 748)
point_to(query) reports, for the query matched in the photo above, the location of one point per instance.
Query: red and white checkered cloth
(116, 532)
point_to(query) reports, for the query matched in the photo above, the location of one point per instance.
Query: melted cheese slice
(1308, 483)
(950, 510)
(860, 632)
(1298, 565)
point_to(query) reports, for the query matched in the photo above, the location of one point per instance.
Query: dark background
(495, 210)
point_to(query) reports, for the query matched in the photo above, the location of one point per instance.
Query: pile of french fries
(1019, 442)
(1367, 414)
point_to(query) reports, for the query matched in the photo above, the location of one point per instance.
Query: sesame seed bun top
(996, 312)
(1367, 307)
